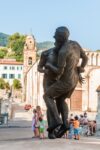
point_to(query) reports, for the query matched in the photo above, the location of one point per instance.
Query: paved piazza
(21, 138)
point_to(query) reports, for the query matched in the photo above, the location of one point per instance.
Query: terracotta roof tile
(10, 62)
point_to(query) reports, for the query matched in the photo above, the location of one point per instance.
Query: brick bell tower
(29, 53)
(29, 59)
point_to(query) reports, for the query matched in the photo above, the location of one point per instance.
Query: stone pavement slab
(18, 136)
(21, 138)
(47, 144)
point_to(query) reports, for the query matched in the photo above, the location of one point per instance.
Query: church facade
(84, 98)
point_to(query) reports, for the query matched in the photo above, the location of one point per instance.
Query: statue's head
(61, 34)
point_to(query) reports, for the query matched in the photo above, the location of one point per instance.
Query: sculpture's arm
(55, 69)
(42, 63)
(84, 61)
(59, 68)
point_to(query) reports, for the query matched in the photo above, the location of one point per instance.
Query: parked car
(27, 107)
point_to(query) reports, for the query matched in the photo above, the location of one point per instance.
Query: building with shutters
(10, 69)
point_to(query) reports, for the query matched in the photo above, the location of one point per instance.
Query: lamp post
(98, 113)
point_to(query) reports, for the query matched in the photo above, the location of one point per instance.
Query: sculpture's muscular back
(70, 53)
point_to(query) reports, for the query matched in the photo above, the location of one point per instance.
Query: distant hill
(3, 39)
(40, 45)
(45, 45)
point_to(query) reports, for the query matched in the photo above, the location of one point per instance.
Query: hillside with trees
(45, 45)
(11, 46)
(3, 39)
(16, 44)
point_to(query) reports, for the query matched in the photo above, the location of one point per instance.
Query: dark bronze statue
(61, 75)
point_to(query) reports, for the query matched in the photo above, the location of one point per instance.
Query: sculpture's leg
(51, 134)
(50, 119)
(63, 106)
(54, 91)
(52, 109)
(62, 109)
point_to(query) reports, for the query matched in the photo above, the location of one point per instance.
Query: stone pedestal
(98, 113)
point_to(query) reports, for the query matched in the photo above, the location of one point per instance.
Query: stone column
(98, 113)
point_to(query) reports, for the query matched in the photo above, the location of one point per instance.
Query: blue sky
(42, 17)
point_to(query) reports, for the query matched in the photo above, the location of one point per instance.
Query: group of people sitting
(88, 126)
(80, 125)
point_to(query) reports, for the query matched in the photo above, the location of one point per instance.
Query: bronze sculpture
(61, 75)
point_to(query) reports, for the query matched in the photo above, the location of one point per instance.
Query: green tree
(2, 83)
(17, 84)
(98, 50)
(16, 43)
(7, 86)
(3, 52)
